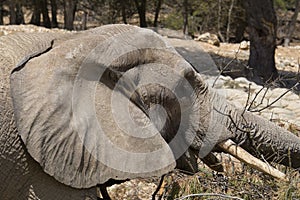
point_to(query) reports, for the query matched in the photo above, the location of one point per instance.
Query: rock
(245, 45)
(244, 83)
(294, 64)
(287, 63)
(209, 38)
(292, 97)
(238, 97)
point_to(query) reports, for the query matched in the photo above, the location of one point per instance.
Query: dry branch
(230, 147)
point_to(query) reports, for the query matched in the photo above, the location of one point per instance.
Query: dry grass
(242, 182)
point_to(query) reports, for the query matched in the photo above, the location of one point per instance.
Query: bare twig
(209, 194)
(248, 99)
(226, 66)
(250, 108)
(158, 188)
(277, 99)
(232, 121)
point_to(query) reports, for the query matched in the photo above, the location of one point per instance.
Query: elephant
(117, 102)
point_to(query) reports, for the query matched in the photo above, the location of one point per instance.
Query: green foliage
(280, 4)
(284, 4)
(173, 21)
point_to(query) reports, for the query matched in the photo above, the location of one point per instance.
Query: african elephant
(112, 103)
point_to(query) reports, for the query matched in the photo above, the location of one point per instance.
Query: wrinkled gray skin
(41, 155)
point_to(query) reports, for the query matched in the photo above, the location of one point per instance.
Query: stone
(245, 45)
(209, 38)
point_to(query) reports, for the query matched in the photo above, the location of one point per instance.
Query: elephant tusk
(233, 149)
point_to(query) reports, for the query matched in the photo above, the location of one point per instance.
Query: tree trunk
(12, 12)
(1, 13)
(54, 13)
(157, 10)
(240, 22)
(262, 24)
(84, 20)
(229, 21)
(36, 15)
(69, 14)
(219, 21)
(292, 25)
(185, 16)
(44, 10)
(141, 7)
(19, 14)
(123, 11)
(16, 13)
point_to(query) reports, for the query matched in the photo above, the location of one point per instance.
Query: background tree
(54, 22)
(69, 13)
(240, 21)
(141, 6)
(36, 14)
(16, 14)
(123, 10)
(292, 24)
(44, 11)
(262, 24)
(185, 16)
(158, 4)
(1, 12)
(40, 7)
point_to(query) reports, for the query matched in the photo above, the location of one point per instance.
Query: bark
(241, 23)
(141, 7)
(229, 21)
(185, 16)
(12, 12)
(84, 20)
(54, 13)
(44, 10)
(1, 13)
(123, 11)
(157, 10)
(219, 21)
(292, 25)
(36, 15)
(16, 13)
(69, 14)
(262, 24)
(19, 14)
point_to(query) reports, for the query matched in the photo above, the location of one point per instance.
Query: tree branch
(273, 102)
(230, 147)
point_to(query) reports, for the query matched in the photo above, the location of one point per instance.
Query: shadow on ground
(212, 64)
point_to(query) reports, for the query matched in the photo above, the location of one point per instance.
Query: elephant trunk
(260, 137)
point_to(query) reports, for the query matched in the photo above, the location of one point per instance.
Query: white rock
(209, 38)
(244, 45)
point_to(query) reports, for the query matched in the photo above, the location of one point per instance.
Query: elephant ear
(69, 115)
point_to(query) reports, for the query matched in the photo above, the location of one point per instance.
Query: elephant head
(118, 102)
